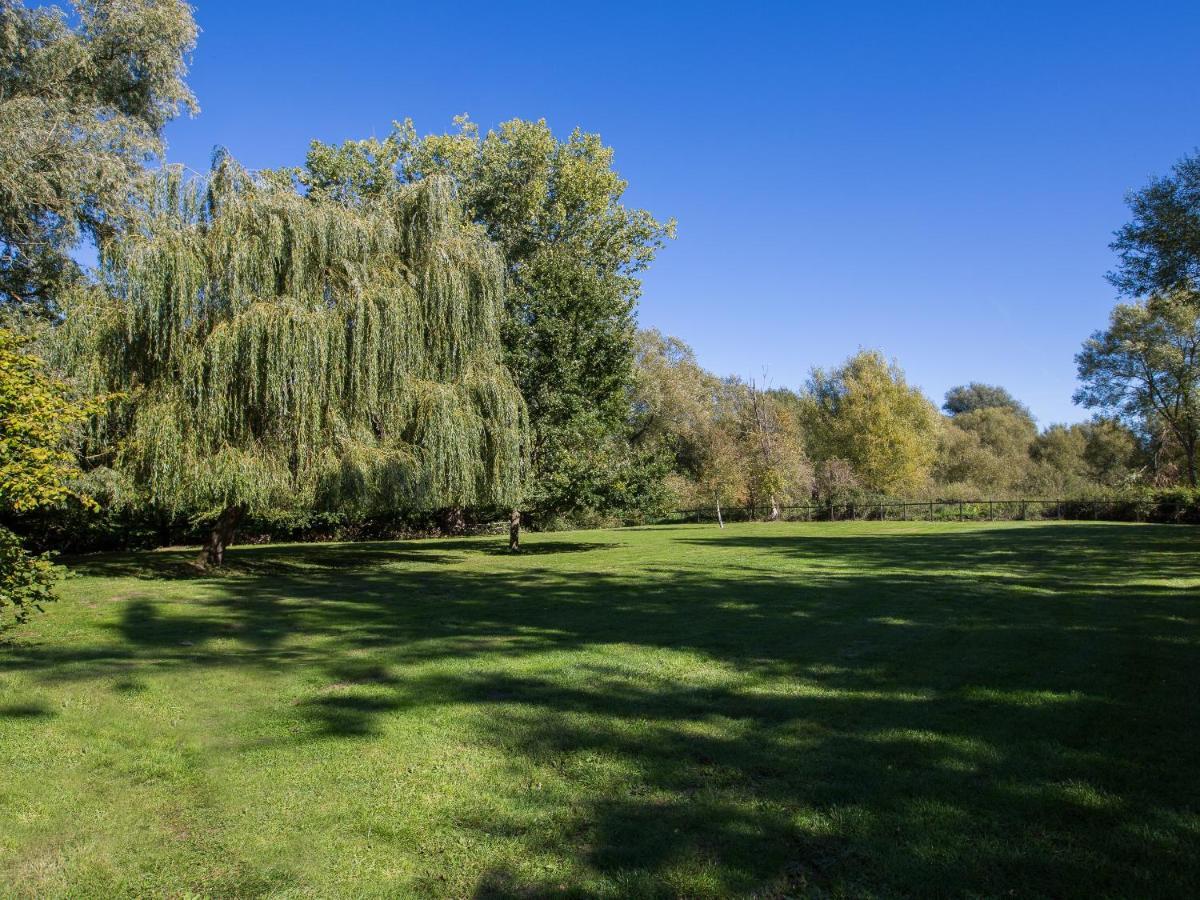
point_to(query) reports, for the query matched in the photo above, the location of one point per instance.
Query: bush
(26, 580)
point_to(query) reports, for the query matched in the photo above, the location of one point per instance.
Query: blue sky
(936, 180)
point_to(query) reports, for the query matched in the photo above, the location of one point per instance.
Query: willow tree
(575, 252)
(280, 351)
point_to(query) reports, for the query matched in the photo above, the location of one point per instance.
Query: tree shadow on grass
(36, 710)
(971, 713)
(302, 559)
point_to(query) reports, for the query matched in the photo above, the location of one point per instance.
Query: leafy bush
(26, 580)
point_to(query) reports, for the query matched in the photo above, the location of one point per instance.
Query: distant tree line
(861, 431)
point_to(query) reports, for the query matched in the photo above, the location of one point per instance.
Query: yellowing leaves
(37, 417)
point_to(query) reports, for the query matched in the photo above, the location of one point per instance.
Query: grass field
(857, 709)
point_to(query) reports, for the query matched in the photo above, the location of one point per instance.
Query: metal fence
(1023, 509)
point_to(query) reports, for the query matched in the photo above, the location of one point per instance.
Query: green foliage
(1175, 505)
(633, 482)
(865, 412)
(1111, 452)
(26, 580)
(835, 482)
(975, 396)
(730, 442)
(1145, 367)
(1059, 452)
(996, 452)
(672, 398)
(1085, 458)
(572, 251)
(284, 352)
(985, 451)
(38, 418)
(1159, 250)
(778, 468)
(83, 100)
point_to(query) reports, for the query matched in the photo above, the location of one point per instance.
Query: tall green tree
(864, 411)
(83, 101)
(1159, 248)
(1145, 368)
(573, 252)
(281, 351)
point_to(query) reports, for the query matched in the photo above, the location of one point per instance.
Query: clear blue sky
(937, 180)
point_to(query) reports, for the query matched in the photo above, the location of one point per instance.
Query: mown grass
(856, 709)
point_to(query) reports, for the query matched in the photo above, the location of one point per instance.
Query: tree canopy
(573, 252)
(1145, 367)
(83, 100)
(38, 417)
(969, 398)
(287, 351)
(1159, 249)
(864, 411)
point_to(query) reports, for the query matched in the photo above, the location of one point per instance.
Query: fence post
(930, 510)
(991, 511)
(960, 510)
(1022, 515)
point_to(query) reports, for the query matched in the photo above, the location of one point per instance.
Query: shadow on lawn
(985, 711)
(304, 559)
(25, 711)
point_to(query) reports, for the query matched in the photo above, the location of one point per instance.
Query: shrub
(26, 580)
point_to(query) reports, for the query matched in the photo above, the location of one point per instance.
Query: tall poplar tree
(282, 351)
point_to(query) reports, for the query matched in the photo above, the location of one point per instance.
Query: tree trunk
(774, 509)
(514, 531)
(452, 521)
(720, 521)
(221, 536)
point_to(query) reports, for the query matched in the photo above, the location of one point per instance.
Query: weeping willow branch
(282, 352)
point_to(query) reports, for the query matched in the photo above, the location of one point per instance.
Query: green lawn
(856, 709)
